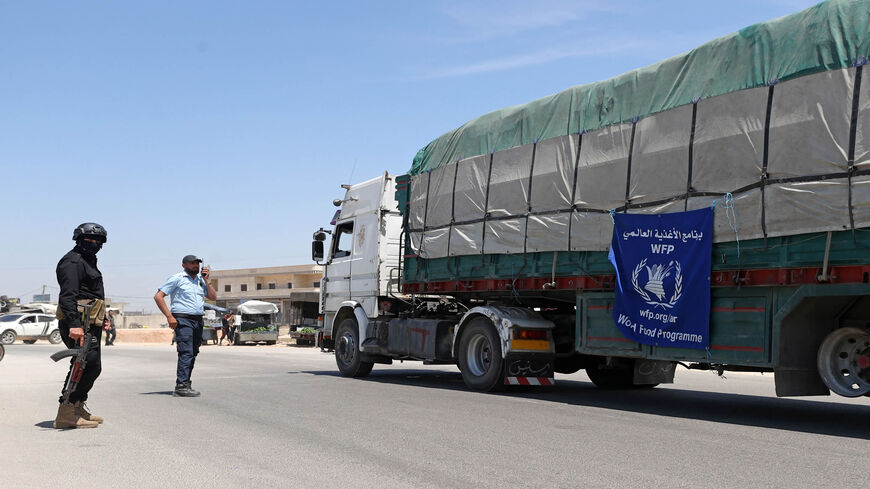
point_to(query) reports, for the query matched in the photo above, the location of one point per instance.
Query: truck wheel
(8, 337)
(55, 338)
(347, 354)
(2, 352)
(617, 377)
(480, 357)
(844, 362)
(28, 342)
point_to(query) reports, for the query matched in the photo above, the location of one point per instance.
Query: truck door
(336, 288)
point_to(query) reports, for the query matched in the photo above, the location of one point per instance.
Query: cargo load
(773, 119)
(492, 252)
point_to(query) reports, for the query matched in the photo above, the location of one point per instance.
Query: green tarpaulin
(832, 35)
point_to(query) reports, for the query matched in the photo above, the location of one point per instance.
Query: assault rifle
(80, 354)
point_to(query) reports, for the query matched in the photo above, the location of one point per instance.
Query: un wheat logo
(656, 274)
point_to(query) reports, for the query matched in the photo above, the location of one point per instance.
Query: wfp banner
(662, 266)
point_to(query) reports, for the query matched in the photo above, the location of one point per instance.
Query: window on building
(289, 285)
(244, 287)
(228, 288)
(271, 286)
(259, 286)
(316, 284)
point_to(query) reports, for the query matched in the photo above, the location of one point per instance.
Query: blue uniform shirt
(186, 293)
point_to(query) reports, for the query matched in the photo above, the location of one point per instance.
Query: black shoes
(184, 390)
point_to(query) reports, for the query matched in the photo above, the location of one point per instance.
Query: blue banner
(663, 264)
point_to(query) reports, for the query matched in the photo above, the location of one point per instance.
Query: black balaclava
(88, 247)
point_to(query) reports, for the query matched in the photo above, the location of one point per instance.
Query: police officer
(187, 290)
(79, 279)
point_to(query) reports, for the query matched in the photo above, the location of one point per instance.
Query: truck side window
(342, 243)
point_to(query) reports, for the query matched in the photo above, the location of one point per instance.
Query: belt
(187, 316)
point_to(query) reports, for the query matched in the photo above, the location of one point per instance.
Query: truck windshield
(9, 317)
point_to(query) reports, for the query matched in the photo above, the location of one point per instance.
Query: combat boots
(184, 390)
(68, 418)
(83, 412)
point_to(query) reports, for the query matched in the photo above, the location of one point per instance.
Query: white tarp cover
(557, 194)
(42, 306)
(257, 307)
(729, 141)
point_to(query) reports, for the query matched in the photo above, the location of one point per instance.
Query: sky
(225, 128)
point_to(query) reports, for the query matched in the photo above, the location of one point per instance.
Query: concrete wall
(163, 335)
(149, 321)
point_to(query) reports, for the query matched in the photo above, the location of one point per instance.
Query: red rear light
(530, 334)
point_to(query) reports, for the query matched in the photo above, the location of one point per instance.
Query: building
(294, 289)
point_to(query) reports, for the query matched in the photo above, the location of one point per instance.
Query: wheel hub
(346, 348)
(844, 362)
(479, 355)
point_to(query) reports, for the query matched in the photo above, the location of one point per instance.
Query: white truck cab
(362, 262)
(366, 319)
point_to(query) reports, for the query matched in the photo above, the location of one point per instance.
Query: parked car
(28, 327)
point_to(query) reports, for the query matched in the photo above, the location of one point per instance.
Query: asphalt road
(280, 416)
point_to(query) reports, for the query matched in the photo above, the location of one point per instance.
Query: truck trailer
(491, 253)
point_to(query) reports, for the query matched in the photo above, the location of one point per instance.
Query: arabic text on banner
(663, 266)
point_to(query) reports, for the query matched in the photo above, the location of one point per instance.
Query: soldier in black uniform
(79, 278)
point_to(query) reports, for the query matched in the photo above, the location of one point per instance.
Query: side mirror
(317, 251)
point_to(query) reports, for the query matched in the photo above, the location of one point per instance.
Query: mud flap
(529, 369)
(654, 372)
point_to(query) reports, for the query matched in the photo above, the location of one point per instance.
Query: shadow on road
(46, 424)
(156, 393)
(806, 416)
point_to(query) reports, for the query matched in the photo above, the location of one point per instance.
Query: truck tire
(28, 342)
(55, 338)
(480, 356)
(843, 361)
(347, 354)
(8, 337)
(2, 352)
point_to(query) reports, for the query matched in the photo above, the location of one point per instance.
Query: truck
(491, 253)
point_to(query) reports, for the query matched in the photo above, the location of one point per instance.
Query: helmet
(90, 230)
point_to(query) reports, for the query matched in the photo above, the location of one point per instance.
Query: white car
(28, 327)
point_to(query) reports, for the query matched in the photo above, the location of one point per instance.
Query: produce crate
(303, 338)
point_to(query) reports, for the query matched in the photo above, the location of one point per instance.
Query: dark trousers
(92, 368)
(188, 339)
(110, 336)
